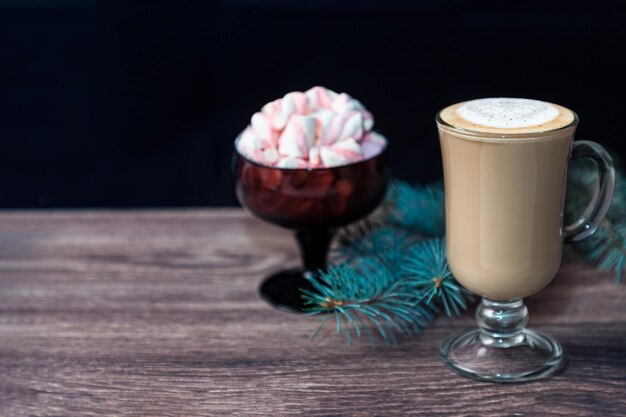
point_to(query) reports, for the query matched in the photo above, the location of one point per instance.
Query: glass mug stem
(502, 324)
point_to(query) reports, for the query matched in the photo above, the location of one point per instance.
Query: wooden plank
(156, 313)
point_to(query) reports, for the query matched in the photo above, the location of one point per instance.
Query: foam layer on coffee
(507, 115)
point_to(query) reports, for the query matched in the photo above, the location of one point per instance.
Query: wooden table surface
(156, 313)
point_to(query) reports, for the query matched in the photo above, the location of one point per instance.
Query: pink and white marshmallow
(298, 136)
(317, 128)
(341, 153)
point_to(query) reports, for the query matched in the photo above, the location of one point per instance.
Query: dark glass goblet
(313, 202)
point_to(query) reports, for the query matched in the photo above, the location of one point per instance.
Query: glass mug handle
(594, 214)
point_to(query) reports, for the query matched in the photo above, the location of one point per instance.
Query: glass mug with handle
(505, 166)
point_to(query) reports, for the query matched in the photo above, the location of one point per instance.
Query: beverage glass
(505, 190)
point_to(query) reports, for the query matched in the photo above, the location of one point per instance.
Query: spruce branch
(416, 208)
(368, 238)
(429, 273)
(375, 291)
(607, 247)
(366, 298)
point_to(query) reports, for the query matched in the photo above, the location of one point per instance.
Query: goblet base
(533, 356)
(282, 290)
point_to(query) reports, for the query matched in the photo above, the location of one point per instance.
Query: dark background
(114, 104)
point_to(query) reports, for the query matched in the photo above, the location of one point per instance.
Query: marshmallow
(314, 156)
(270, 155)
(297, 138)
(291, 103)
(272, 111)
(370, 149)
(261, 125)
(343, 102)
(291, 162)
(315, 129)
(348, 148)
(353, 127)
(248, 142)
(357, 105)
(295, 102)
(372, 144)
(324, 119)
(341, 153)
(368, 120)
(263, 128)
(320, 97)
(342, 126)
(332, 132)
(272, 107)
(331, 158)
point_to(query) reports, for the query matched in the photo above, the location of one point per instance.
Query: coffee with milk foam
(507, 115)
(505, 162)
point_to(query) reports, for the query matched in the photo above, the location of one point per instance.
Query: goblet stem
(502, 324)
(313, 245)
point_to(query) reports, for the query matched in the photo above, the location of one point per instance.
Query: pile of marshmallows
(315, 129)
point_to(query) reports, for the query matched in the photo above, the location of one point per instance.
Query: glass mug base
(502, 349)
(534, 356)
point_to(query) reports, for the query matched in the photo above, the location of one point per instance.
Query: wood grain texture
(156, 313)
